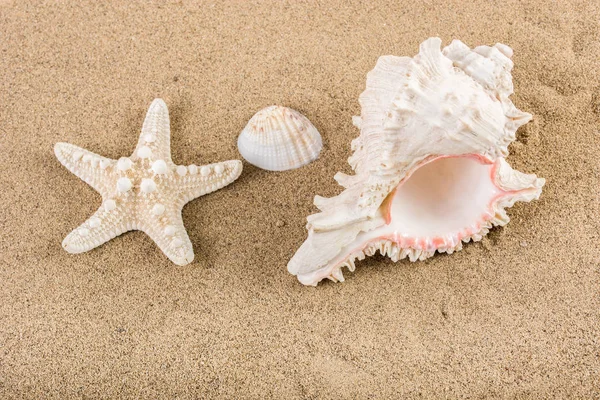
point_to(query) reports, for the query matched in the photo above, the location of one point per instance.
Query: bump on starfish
(145, 191)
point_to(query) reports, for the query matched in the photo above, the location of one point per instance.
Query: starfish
(145, 191)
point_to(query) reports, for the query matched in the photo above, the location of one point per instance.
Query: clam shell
(278, 139)
(429, 163)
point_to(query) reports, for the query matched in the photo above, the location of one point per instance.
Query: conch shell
(429, 163)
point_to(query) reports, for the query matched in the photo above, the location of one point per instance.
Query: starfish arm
(156, 134)
(102, 226)
(207, 179)
(169, 234)
(89, 167)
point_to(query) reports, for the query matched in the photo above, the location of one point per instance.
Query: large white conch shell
(429, 162)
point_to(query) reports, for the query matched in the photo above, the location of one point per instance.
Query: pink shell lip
(477, 157)
(446, 243)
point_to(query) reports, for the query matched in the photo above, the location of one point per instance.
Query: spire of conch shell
(450, 103)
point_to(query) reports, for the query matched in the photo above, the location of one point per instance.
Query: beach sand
(516, 315)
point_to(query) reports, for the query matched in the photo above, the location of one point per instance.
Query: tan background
(517, 315)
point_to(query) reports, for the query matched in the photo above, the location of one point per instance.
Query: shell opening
(440, 203)
(441, 199)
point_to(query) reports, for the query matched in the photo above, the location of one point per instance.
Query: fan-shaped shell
(278, 138)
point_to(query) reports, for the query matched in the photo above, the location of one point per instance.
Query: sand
(514, 316)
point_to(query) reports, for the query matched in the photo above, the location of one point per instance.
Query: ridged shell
(430, 169)
(278, 139)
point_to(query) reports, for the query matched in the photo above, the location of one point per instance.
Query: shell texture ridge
(142, 192)
(434, 130)
(278, 138)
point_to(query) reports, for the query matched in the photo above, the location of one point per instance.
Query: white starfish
(145, 191)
